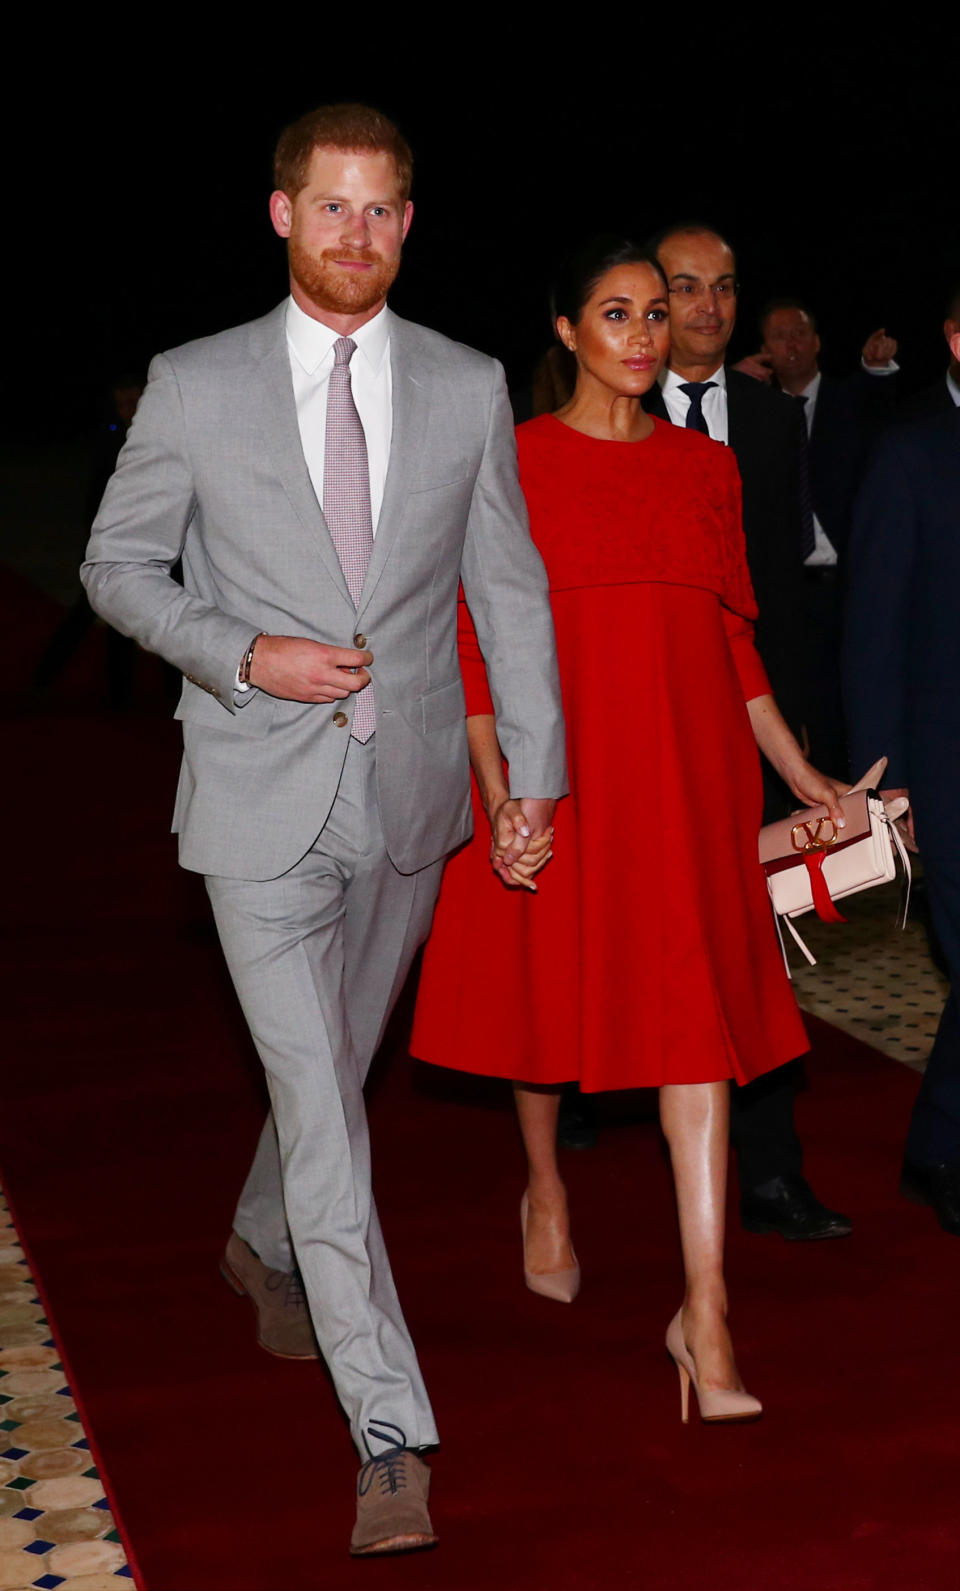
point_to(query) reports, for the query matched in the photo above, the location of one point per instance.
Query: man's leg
(386, 920)
(932, 1155)
(285, 943)
(261, 1216)
(934, 1135)
(762, 1130)
(774, 1195)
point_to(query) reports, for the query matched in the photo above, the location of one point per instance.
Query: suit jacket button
(340, 719)
(360, 641)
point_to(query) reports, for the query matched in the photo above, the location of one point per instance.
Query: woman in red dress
(648, 956)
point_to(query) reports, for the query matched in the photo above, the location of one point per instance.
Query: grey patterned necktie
(346, 501)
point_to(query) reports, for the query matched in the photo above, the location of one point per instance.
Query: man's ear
(281, 213)
(955, 345)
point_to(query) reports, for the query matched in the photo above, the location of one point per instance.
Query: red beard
(342, 292)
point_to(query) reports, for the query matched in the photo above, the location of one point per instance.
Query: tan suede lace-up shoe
(392, 1492)
(283, 1319)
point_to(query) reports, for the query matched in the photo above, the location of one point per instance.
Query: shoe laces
(292, 1284)
(386, 1470)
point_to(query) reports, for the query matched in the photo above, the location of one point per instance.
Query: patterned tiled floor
(56, 1529)
(873, 979)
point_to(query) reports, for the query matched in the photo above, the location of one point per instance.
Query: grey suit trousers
(318, 958)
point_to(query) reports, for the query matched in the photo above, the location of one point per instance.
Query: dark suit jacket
(902, 648)
(846, 421)
(768, 436)
(927, 402)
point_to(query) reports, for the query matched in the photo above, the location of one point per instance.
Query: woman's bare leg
(695, 1118)
(548, 1226)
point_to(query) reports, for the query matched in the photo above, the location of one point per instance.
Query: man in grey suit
(328, 475)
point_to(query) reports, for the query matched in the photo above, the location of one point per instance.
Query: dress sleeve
(752, 674)
(738, 593)
(475, 686)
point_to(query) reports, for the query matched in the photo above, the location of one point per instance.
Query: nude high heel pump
(563, 1286)
(717, 1404)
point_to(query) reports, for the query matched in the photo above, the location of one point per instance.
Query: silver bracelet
(243, 677)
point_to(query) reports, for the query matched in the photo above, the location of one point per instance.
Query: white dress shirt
(824, 555)
(713, 408)
(954, 389)
(310, 346)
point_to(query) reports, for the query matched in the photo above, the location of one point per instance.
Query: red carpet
(130, 1104)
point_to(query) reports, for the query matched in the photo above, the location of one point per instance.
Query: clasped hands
(521, 839)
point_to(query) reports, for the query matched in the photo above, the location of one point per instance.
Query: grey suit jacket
(213, 472)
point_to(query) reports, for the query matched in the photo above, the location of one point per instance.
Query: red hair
(351, 128)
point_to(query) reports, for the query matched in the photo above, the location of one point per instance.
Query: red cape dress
(649, 955)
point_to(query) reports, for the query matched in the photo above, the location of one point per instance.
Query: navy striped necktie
(695, 391)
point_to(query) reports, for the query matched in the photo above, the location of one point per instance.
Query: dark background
(140, 179)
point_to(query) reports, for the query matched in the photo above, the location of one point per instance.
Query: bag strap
(904, 855)
(783, 949)
(797, 940)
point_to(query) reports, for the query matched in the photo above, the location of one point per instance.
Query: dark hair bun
(582, 270)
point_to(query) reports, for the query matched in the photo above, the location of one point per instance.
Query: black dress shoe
(789, 1206)
(577, 1123)
(938, 1186)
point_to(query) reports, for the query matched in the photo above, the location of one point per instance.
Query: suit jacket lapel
(273, 395)
(734, 410)
(410, 403)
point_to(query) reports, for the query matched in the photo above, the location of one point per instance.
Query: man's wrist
(246, 663)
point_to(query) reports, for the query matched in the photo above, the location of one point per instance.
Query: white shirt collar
(811, 389)
(669, 379)
(953, 388)
(312, 341)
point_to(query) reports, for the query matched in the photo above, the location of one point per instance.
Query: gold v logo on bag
(816, 834)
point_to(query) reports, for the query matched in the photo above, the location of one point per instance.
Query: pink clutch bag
(810, 863)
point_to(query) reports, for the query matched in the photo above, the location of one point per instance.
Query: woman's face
(623, 335)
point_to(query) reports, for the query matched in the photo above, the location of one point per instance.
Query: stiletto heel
(716, 1404)
(563, 1286)
(684, 1394)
